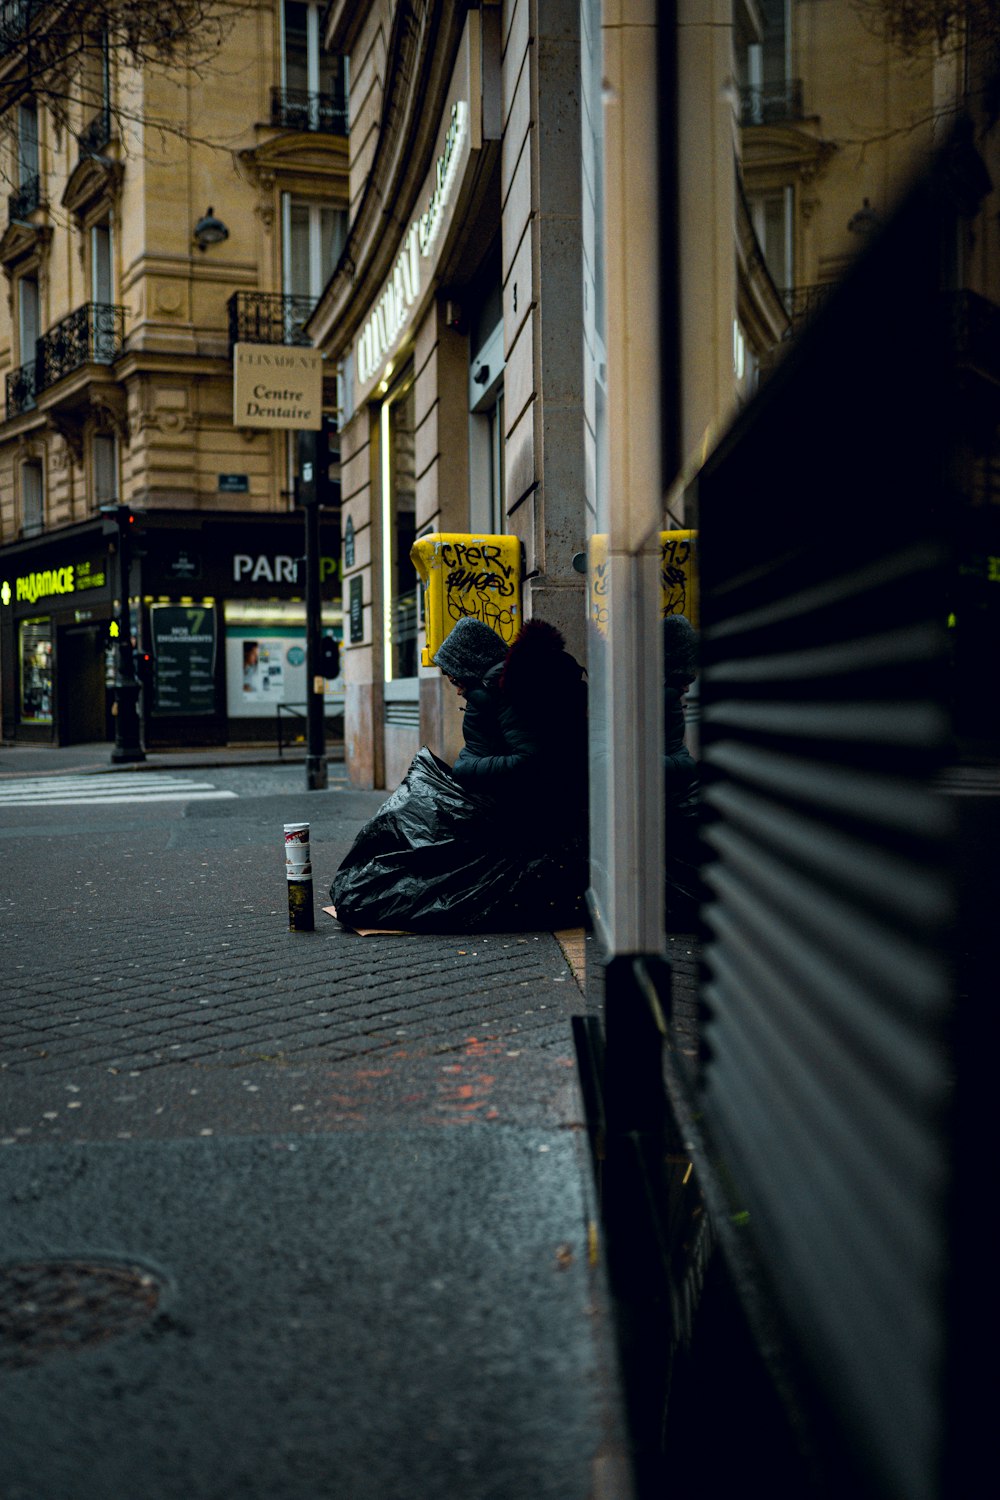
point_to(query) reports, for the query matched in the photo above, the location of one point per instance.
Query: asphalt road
(347, 1177)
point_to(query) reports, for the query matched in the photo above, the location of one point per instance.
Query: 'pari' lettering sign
(278, 568)
(277, 386)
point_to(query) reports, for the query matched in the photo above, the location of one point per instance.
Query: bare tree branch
(53, 51)
(913, 25)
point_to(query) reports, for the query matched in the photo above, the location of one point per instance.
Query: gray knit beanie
(469, 650)
(680, 648)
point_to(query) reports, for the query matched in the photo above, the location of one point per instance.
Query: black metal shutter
(828, 981)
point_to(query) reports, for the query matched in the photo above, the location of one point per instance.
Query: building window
(399, 531)
(771, 214)
(28, 327)
(35, 661)
(27, 144)
(95, 94)
(101, 276)
(32, 499)
(313, 238)
(104, 465)
(307, 72)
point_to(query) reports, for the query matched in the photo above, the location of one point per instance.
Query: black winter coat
(525, 729)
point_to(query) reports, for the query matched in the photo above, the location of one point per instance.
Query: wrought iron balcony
(25, 200)
(771, 103)
(268, 318)
(92, 335)
(801, 302)
(14, 17)
(295, 109)
(95, 136)
(22, 388)
(975, 328)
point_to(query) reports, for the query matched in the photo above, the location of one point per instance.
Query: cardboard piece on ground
(572, 941)
(371, 931)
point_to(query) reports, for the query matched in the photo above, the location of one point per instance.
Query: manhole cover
(49, 1306)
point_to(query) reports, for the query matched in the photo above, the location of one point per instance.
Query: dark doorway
(83, 705)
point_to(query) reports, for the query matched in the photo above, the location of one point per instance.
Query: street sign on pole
(308, 496)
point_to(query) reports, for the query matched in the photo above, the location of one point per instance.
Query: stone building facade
(166, 214)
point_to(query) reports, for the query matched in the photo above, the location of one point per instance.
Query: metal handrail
(288, 708)
(300, 713)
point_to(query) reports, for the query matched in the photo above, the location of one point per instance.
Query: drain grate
(52, 1306)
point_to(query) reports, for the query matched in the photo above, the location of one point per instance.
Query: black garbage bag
(436, 858)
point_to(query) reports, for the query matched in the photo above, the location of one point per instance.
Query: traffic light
(116, 519)
(317, 462)
(329, 657)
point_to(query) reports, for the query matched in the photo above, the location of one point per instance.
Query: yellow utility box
(465, 575)
(678, 576)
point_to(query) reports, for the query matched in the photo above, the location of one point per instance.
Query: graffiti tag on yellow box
(467, 575)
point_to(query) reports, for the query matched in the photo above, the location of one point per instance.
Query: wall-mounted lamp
(209, 231)
(866, 220)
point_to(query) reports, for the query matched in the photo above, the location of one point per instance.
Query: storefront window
(399, 532)
(266, 657)
(36, 671)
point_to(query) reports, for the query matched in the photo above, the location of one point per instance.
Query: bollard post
(298, 869)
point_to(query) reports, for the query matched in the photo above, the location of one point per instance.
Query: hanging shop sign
(277, 386)
(184, 640)
(384, 327)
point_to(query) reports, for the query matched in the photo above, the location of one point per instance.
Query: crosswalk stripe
(104, 778)
(104, 789)
(122, 799)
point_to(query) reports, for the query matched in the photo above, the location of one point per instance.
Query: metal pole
(316, 779)
(128, 746)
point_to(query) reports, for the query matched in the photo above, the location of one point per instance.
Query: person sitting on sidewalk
(499, 842)
(525, 723)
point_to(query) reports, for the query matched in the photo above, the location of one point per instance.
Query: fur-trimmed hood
(539, 675)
